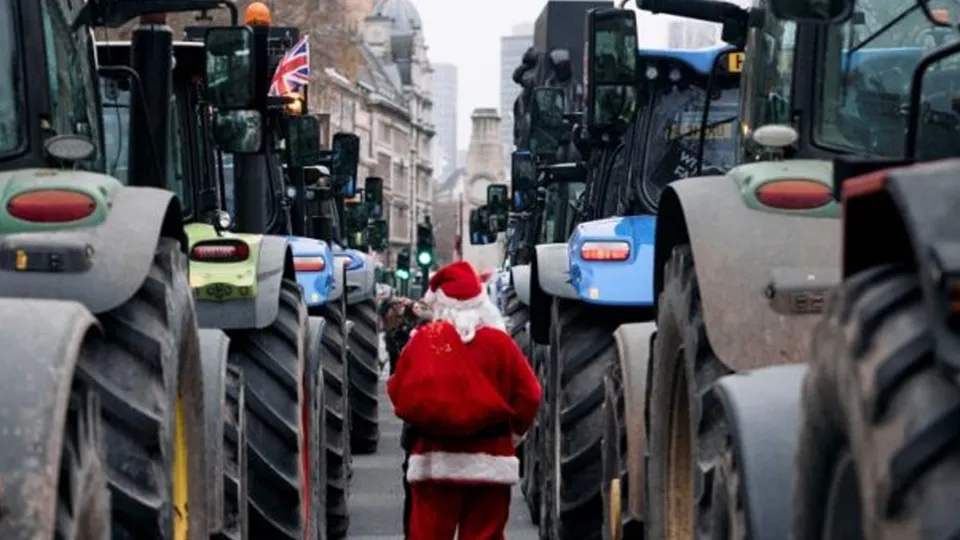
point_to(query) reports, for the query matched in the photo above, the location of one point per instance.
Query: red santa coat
(468, 401)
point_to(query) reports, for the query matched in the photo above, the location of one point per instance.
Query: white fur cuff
(440, 299)
(463, 467)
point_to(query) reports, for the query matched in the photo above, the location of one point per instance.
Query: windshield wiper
(883, 28)
(696, 131)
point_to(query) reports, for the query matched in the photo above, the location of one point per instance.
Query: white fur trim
(463, 467)
(442, 300)
(467, 315)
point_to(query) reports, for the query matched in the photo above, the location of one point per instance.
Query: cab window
(71, 94)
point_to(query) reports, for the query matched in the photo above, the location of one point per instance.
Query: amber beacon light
(257, 14)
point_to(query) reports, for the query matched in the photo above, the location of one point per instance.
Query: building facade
(385, 97)
(512, 48)
(445, 118)
(485, 166)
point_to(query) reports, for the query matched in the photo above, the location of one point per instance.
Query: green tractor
(243, 284)
(118, 418)
(257, 134)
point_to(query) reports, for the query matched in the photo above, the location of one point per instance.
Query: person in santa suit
(469, 394)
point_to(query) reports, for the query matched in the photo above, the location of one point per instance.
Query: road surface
(376, 499)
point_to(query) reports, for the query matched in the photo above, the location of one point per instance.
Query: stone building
(485, 166)
(382, 93)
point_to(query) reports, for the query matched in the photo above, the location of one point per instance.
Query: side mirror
(522, 172)
(377, 234)
(303, 140)
(814, 11)
(238, 131)
(480, 233)
(346, 154)
(356, 226)
(373, 196)
(547, 127)
(230, 74)
(611, 70)
(497, 197)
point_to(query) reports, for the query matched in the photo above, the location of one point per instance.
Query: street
(376, 500)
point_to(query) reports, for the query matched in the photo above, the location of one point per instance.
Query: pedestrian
(469, 395)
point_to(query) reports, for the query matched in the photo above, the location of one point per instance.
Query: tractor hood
(361, 274)
(627, 282)
(318, 282)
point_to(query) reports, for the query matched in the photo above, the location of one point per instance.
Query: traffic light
(425, 244)
(403, 264)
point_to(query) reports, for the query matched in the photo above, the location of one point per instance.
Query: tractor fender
(274, 264)
(338, 280)
(361, 281)
(520, 275)
(553, 269)
(120, 251)
(746, 260)
(42, 340)
(213, 363)
(762, 408)
(634, 350)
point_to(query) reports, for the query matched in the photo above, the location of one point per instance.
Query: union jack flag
(293, 72)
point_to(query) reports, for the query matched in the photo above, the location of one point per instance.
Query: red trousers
(444, 511)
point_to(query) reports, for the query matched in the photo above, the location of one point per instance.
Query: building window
(399, 223)
(383, 169)
(383, 133)
(401, 142)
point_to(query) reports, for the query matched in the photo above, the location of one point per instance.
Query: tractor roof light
(294, 106)
(257, 14)
(615, 251)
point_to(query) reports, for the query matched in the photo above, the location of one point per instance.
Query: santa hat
(456, 295)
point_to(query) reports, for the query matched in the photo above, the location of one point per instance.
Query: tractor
(282, 464)
(867, 423)
(269, 198)
(136, 420)
(743, 261)
(588, 200)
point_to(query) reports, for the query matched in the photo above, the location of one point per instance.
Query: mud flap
(634, 345)
(213, 360)
(553, 271)
(762, 408)
(520, 275)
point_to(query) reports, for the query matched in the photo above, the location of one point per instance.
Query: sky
(467, 34)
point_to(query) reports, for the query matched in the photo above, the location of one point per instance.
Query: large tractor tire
(148, 376)
(877, 454)
(518, 317)
(336, 415)
(272, 361)
(533, 447)
(363, 353)
(235, 501)
(687, 428)
(581, 347)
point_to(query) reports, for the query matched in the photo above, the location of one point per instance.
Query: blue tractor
(586, 201)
